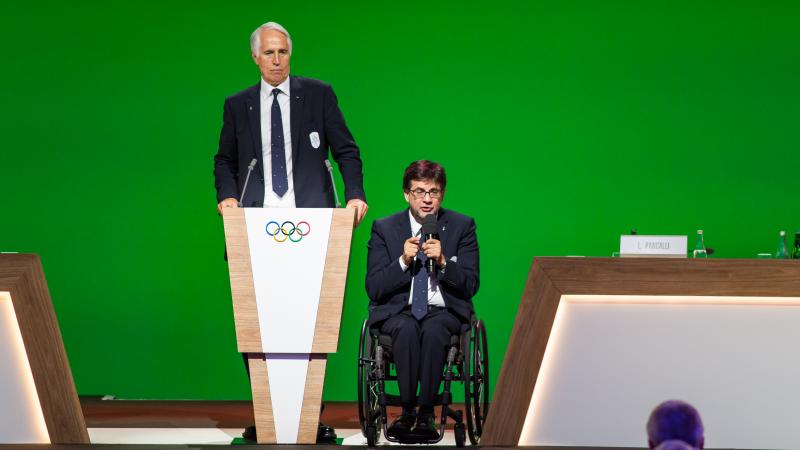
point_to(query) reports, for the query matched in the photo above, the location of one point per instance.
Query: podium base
(287, 396)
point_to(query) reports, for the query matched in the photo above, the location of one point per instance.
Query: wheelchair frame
(470, 367)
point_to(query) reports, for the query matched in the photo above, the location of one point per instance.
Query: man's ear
(407, 196)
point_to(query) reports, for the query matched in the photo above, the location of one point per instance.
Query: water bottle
(796, 251)
(699, 246)
(782, 252)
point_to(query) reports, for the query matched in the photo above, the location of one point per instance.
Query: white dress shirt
(271, 199)
(434, 294)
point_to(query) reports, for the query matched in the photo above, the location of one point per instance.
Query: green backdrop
(562, 124)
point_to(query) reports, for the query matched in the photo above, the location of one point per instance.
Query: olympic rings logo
(288, 230)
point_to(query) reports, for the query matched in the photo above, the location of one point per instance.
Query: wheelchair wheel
(369, 413)
(476, 387)
(372, 436)
(460, 435)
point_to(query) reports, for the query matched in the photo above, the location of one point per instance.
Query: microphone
(247, 179)
(429, 227)
(330, 172)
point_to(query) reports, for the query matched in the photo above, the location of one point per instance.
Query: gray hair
(255, 38)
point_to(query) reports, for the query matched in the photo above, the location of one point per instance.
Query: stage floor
(167, 425)
(210, 436)
(149, 422)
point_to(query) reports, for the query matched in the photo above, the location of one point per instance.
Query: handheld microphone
(330, 172)
(247, 179)
(429, 227)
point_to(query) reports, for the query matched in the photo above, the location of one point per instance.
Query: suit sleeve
(227, 158)
(462, 277)
(385, 277)
(343, 148)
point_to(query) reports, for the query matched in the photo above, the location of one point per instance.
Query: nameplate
(655, 246)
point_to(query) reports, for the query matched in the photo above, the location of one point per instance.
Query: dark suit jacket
(388, 286)
(313, 108)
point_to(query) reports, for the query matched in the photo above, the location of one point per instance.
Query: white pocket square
(454, 258)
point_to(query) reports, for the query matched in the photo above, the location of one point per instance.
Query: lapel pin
(444, 227)
(251, 108)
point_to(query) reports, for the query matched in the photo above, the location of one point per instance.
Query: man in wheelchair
(422, 272)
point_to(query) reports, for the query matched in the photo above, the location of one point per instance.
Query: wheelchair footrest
(456, 415)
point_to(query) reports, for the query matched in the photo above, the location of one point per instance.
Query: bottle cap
(783, 233)
(699, 231)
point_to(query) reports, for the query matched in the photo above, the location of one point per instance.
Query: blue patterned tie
(280, 181)
(419, 296)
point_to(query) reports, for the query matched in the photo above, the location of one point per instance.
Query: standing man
(288, 124)
(418, 308)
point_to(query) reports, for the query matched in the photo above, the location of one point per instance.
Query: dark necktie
(419, 296)
(280, 181)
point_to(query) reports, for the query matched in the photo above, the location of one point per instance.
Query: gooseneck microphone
(330, 172)
(429, 227)
(247, 179)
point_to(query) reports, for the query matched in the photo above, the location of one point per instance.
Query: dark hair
(424, 170)
(675, 419)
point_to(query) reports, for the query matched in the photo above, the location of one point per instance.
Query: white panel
(287, 379)
(164, 436)
(287, 276)
(611, 359)
(21, 419)
(640, 244)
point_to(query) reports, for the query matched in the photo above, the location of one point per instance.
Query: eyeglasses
(420, 193)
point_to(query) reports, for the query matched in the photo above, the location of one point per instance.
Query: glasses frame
(419, 195)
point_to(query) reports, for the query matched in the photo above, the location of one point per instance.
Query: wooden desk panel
(22, 276)
(550, 278)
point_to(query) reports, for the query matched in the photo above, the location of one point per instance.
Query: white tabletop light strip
(21, 418)
(680, 300)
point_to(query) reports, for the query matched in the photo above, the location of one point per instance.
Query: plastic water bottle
(699, 246)
(782, 252)
(796, 251)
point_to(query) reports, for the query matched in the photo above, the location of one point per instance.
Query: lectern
(288, 268)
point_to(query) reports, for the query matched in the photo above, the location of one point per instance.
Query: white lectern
(288, 268)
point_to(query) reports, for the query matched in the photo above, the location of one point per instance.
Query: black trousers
(419, 349)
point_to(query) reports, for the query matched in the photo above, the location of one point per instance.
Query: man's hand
(410, 249)
(361, 209)
(433, 250)
(227, 203)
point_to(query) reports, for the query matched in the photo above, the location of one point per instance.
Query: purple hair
(675, 419)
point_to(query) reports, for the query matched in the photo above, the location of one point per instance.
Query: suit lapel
(403, 229)
(442, 228)
(254, 119)
(296, 115)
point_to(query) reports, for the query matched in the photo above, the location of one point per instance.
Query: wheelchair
(467, 363)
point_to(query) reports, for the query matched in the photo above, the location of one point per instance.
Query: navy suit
(420, 347)
(314, 108)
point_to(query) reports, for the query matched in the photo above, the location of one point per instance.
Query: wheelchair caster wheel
(460, 435)
(372, 436)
